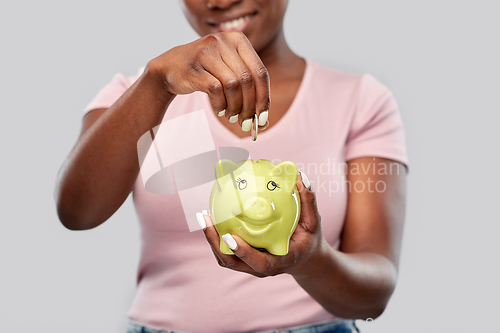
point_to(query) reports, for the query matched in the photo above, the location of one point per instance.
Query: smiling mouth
(255, 226)
(254, 229)
(237, 24)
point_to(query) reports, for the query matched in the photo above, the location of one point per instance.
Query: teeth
(234, 23)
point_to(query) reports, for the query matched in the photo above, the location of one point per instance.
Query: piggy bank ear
(288, 173)
(224, 168)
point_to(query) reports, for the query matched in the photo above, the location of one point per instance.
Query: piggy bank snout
(258, 209)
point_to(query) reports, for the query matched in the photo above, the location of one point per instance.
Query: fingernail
(230, 242)
(204, 212)
(246, 125)
(263, 118)
(305, 180)
(265, 126)
(201, 220)
(221, 113)
(233, 119)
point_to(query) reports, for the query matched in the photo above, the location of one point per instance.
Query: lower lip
(240, 27)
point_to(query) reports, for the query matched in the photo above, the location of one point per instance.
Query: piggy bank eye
(271, 185)
(242, 183)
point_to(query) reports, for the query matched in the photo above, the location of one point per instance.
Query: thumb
(309, 214)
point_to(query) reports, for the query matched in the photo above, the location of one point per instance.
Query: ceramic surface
(258, 201)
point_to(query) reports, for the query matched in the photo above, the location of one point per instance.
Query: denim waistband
(331, 326)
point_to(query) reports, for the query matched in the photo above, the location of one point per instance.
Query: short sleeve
(376, 128)
(110, 93)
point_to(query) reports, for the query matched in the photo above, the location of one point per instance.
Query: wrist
(155, 74)
(315, 263)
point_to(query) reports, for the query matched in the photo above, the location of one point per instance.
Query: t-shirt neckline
(280, 125)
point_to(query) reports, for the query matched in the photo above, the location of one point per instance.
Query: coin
(255, 127)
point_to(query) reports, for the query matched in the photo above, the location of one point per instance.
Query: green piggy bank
(258, 201)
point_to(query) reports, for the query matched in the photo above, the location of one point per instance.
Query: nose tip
(259, 209)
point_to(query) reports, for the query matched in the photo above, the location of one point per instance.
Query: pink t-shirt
(335, 117)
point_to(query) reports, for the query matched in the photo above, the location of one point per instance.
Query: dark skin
(238, 71)
(285, 68)
(354, 282)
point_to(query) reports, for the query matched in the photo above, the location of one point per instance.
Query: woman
(343, 257)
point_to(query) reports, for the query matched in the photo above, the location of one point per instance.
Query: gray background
(440, 58)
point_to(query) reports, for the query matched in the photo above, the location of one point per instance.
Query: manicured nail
(201, 220)
(265, 126)
(305, 180)
(246, 125)
(221, 113)
(263, 118)
(204, 212)
(233, 119)
(230, 242)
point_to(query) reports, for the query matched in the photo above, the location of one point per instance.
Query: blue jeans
(331, 326)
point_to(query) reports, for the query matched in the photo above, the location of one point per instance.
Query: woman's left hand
(306, 242)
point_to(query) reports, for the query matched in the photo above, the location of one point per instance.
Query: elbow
(374, 313)
(372, 304)
(378, 304)
(75, 207)
(382, 294)
(72, 215)
(377, 307)
(364, 313)
(70, 221)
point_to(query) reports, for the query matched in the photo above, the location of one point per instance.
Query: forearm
(354, 285)
(100, 171)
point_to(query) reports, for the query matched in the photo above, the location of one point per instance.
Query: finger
(213, 242)
(309, 214)
(261, 262)
(212, 235)
(303, 183)
(246, 85)
(260, 75)
(224, 260)
(201, 80)
(231, 85)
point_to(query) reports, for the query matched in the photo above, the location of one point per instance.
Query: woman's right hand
(226, 67)
(102, 168)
